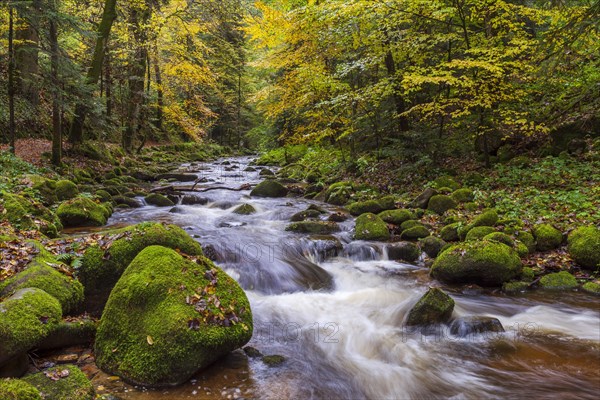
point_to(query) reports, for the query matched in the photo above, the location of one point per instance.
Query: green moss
(81, 211)
(339, 193)
(29, 214)
(126, 201)
(441, 203)
(158, 200)
(470, 206)
(396, 217)
(304, 215)
(17, 389)
(515, 287)
(592, 287)
(104, 196)
(484, 263)
(411, 223)
(527, 274)
(155, 332)
(313, 227)
(415, 233)
(432, 245)
(273, 360)
(527, 239)
(463, 196)
(446, 182)
(558, 281)
(521, 249)
(46, 188)
(500, 237)
(488, 218)
(27, 317)
(547, 237)
(66, 190)
(370, 227)
(245, 209)
(269, 188)
(433, 308)
(40, 274)
(449, 233)
(64, 382)
(70, 333)
(584, 247)
(372, 206)
(479, 232)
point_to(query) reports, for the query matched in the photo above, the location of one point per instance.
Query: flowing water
(336, 315)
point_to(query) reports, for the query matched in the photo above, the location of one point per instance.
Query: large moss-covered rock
(479, 232)
(527, 239)
(82, 211)
(415, 233)
(63, 382)
(397, 217)
(102, 267)
(449, 233)
(485, 263)
(27, 317)
(313, 227)
(432, 246)
(28, 214)
(269, 188)
(68, 333)
(500, 237)
(547, 237)
(372, 206)
(441, 203)
(592, 287)
(446, 182)
(370, 227)
(45, 187)
(558, 281)
(304, 215)
(404, 251)
(584, 246)
(40, 274)
(168, 317)
(463, 196)
(66, 190)
(487, 218)
(434, 307)
(158, 200)
(17, 389)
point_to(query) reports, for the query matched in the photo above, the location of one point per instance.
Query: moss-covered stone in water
(304, 215)
(27, 317)
(158, 200)
(245, 209)
(449, 233)
(547, 237)
(558, 281)
(168, 317)
(397, 217)
(481, 262)
(432, 246)
(592, 287)
(404, 251)
(64, 382)
(515, 287)
(500, 237)
(527, 275)
(273, 360)
(584, 247)
(433, 308)
(82, 211)
(126, 201)
(66, 190)
(463, 196)
(269, 188)
(39, 274)
(313, 227)
(370, 227)
(17, 389)
(415, 233)
(441, 203)
(479, 232)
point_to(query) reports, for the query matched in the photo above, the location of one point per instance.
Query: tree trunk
(93, 75)
(399, 103)
(159, 91)
(108, 83)
(56, 117)
(11, 80)
(27, 53)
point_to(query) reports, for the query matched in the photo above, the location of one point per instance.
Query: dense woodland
(398, 144)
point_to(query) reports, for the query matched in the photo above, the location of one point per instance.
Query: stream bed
(337, 316)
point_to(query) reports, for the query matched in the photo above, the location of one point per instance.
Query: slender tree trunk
(27, 53)
(159, 90)
(93, 75)
(11, 80)
(108, 82)
(56, 112)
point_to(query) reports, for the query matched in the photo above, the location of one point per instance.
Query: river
(337, 316)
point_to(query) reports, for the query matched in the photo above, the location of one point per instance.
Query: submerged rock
(468, 326)
(64, 382)
(273, 360)
(245, 209)
(313, 227)
(404, 251)
(168, 317)
(434, 307)
(269, 188)
(158, 200)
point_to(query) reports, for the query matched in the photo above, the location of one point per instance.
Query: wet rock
(211, 253)
(404, 251)
(327, 246)
(269, 188)
(423, 199)
(432, 246)
(415, 233)
(127, 201)
(177, 210)
(313, 227)
(274, 360)
(304, 215)
(158, 200)
(192, 200)
(252, 352)
(515, 287)
(338, 217)
(64, 382)
(178, 177)
(250, 169)
(468, 326)
(232, 224)
(559, 281)
(434, 307)
(245, 209)
(266, 172)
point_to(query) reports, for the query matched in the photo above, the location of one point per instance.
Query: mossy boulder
(441, 203)
(527, 275)
(558, 281)
(592, 287)
(404, 251)
(463, 196)
(304, 215)
(66, 190)
(422, 200)
(500, 237)
(479, 232)
(449, 233)
(397, 217)
(68, 333)
(547, 237)
(415, 233)
(266, 172)
(484, 263)
(370, 227)
(40, 274)
(339, 193)
(527, 239)
(487, 218)
(46, 189)
(372, 206)
(244, 209)
(101, 267)
(515, 287)
(446, 182)
(411, 223)
(29, 214)
(103, 196)
(17, 389)
(269, 188)
(81, 212)
(584, 247)
(435, 307)
(432, 246)
(169, 317)
(158, 200)
(521, 249)
(63, 382)
(313, 227)
(26, 317)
